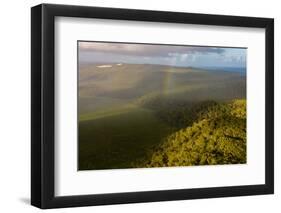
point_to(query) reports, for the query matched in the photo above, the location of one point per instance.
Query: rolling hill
(218, 136)
(127, 110)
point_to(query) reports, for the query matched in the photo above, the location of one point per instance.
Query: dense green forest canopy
(217, 136)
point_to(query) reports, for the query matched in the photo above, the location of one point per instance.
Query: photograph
(160, 105)
(140, 105)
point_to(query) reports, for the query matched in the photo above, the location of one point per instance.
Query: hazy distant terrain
(104, 87)
(126, 110)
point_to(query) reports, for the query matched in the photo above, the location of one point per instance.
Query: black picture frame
(43, 110)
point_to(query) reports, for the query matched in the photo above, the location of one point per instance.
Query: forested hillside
(217, 136)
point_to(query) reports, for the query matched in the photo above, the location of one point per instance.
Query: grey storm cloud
(146, 49)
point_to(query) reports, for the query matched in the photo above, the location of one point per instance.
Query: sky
(186, 56)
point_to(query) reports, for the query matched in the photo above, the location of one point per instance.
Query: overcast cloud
(98, 52)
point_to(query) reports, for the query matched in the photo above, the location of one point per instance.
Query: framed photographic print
(139, 106)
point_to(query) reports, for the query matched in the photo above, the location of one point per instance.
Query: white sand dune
(104, 66)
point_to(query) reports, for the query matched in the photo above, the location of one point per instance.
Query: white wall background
(15, 105)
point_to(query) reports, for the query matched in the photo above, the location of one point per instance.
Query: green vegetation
(118, 139)
(153, 116)
(218, 136)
